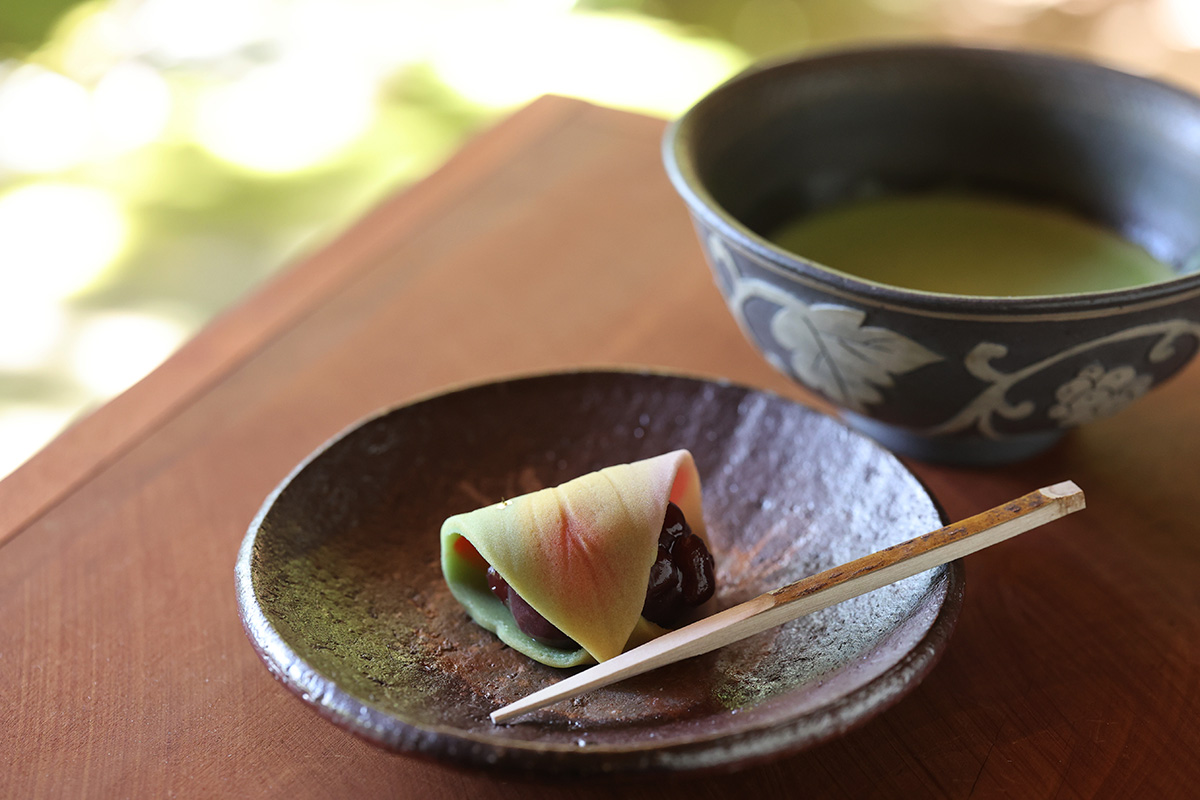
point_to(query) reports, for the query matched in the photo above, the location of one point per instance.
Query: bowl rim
(678, 159)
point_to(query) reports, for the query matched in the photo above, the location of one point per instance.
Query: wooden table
(552, 241)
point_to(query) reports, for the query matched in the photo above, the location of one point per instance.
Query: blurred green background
(160, 158)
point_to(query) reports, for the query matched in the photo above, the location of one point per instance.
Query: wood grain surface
(553, 241)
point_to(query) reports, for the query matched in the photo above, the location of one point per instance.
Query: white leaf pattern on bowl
(828, 348)
(831, 350)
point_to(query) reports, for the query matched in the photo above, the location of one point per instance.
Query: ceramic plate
(341, 592)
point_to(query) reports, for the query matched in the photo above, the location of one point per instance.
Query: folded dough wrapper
(580, 554)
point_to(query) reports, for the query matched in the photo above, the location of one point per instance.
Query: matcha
(969, 244)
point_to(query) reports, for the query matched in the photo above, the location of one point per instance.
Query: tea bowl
(955, 378)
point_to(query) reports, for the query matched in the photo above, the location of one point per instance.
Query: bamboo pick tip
(1062, 489)
(1065, 489)
(502, 715)
(516, 709)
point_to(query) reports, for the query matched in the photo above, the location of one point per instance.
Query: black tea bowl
(938, 376)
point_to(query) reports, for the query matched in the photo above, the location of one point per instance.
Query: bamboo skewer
(816, 592)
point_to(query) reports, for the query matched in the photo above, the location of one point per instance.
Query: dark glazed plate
(341, 592)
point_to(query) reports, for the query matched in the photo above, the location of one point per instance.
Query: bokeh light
(287, 116)
(131, 106)
(29, 332)
(56, 238)
(503, 61)
(116, 349)
(1177, 23)
(174, 31)
(45, 121)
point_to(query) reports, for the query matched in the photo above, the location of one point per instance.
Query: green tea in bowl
(971, 244)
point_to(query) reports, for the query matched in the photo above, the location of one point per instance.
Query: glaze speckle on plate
(341, 592)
